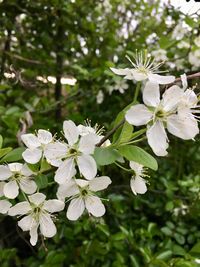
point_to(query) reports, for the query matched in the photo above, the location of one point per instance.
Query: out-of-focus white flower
(197, 41)
(183, 44)
(36, 145)
(83, 196)
(179, 31)
(144, 69)
(138, 184)
(19, 176)
(77, 151)
(120, 85)
(160, 55)
(38, 212)
(100, 97)
(4, 204)
(158, 114)
(194, 58)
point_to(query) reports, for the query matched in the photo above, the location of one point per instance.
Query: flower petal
(138, 115)
(82, 183)
(44, 137)
(26, 171)
(56, 150)
(67, 190)
(53, 205)
(5, 173)
(11, 189)
(157, 139)
(75, 209)
(138, 185)
(20, 209)
(71, 132)
(87, 166)
(171, 97)
(99, 183)
(151, 94)
(95, 206)
(4, 206)
(161, 79)
(30, 140)
(47, 226)
(34, 234)
(123, 72)
(27, 185)
(65, 171)
(87, 143)
(37, 198)
(138, 75)
(32, 155)
(1, 188)
(183, 127)
(15, 167)
(26, 223)
(184, 81)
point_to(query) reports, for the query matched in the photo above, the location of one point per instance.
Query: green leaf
(137, 154)
(45, 166)
(126, 133)
(105, 156)
(14, 155)
(1, 141)
(195, 251)
(41, 181)
(5, 151)
(164, 255)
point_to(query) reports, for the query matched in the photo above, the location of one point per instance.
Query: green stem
(137, 90)
(123, 168)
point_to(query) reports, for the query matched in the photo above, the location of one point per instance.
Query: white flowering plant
(76, 158)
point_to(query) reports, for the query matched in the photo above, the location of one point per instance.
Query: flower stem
(137, 90)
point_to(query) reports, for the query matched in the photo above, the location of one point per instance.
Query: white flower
(19, 176)
(158, 114)
(36, 145)
(144, 69)
(100, 97)
(160, 55)
(180, 30)
(77, 151)
(194, 58)
(138, 184)
(4, 204)
(183, 44)
(38, 213)
(120, 85)
(197, 41)
(82, 194)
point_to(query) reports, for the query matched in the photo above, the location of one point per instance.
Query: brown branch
(24, 59)
(189, 77)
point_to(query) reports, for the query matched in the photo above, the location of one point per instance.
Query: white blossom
(82, 195)
(120, 85)
(160, 55)
(180, 30)
(36, 145)
(197, 41)
(137, 183)
(18, 176)
(158, 114)
(78, 151)
(194, 58)
(144, 69)
(38, 214)
(100, 97)
(4, 204)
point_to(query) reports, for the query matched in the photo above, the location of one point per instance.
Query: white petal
(53, 205)
(15, 167)
(138, 115)
(138, 168)
(27, 185)
(139, 76)
(55, 162)
(171, 97)
(47, 226)
(151, 94)
(161, 79)
(184, 81)
(26, 223)
(67, 190)
(37, 198)
(183, 127)
(56, 150)
(82, 183)
(75, 209)
(1, 188)
(11, 189)
(99, 183)
(87, 143)
(26, 171)
(94, 206)
(20, 209)
(34, 234)
(44, 137)
(123, 72)
(65, 171)
(71, 132)
(32, 155)
(5, 173)
(138, 185)
(87, 166)
(30, 140)
(157, 139)
(4, 206)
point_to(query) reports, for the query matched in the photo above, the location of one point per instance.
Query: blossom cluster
(72, 161)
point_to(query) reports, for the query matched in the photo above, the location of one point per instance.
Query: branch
(189, 77)
(24, 59)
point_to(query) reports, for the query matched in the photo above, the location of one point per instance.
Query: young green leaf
(105, 156)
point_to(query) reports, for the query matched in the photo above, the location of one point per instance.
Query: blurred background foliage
(54, 65)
